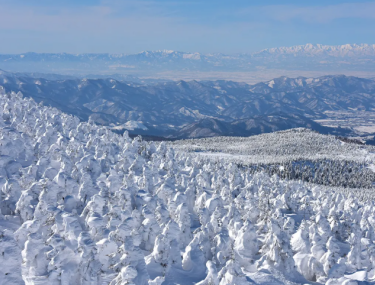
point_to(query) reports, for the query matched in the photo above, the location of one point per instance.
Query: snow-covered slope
(82, 205)
(299, 143)
(298, 154)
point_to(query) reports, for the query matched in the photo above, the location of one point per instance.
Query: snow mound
(83, 205)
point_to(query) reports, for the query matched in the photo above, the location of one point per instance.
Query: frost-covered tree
(83, 205)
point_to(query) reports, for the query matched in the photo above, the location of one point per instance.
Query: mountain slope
(165, 107)
(204, 128)
(253, 126)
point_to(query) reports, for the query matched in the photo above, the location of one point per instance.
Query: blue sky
(122, 26)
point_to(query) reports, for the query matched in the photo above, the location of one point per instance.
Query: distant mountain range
(304, 57)
(316, 50)
(206, 108)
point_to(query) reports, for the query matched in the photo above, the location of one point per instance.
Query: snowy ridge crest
(319, 49)
(82, 205)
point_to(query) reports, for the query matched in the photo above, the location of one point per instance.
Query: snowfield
(83, 205)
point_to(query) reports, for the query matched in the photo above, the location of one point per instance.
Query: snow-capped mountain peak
(319, 49)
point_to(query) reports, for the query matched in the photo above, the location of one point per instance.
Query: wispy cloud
(127, 25)
(312, 14)
(130, 19)
(135, 25)
(91, 19)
